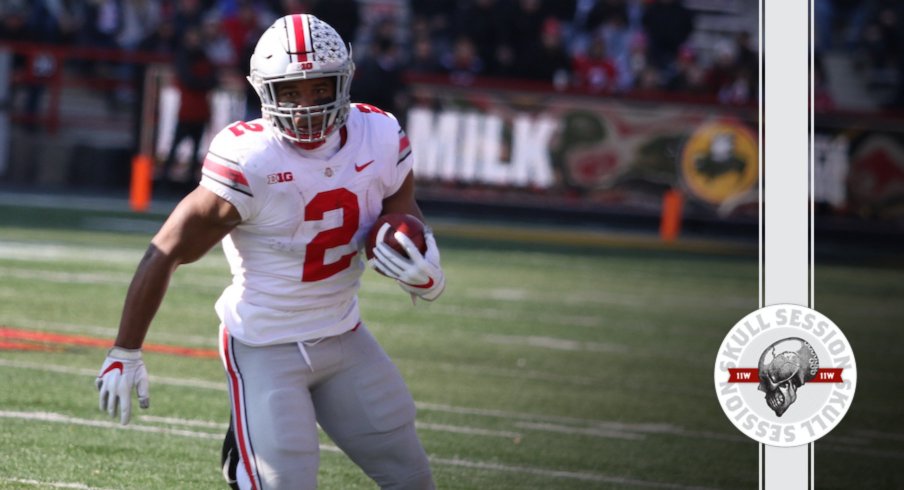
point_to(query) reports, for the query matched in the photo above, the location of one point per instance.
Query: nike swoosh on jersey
(359, 168)
(112, 366)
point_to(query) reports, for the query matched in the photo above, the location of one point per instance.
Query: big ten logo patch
(280, 177)
(785, 375)
(719, 161)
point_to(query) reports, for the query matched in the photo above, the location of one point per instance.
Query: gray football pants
(345, 383)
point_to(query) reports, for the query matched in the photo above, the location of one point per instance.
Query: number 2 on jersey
(240, 127)
(315, 268)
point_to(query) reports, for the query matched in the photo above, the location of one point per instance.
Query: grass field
(542, 366)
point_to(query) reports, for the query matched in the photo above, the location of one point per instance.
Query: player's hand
(418, 274)
(122, 371)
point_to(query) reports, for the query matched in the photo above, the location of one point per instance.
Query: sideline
(595, 237)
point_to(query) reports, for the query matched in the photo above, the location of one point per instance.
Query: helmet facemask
(305, 124)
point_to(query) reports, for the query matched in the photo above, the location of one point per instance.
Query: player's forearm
(144, 297)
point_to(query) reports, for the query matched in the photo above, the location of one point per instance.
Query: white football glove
(420, 275)
(122, 371)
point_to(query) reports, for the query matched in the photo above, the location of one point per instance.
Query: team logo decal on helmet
(302, 47)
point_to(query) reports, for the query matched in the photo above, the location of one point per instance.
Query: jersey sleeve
(403, 165)
(225, 175)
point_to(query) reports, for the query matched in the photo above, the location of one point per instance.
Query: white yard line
(207, 424)
(51, 484)
(473, 431)
(529, 421)
(502, 372)
(574, 475)
(481, 465)
(31, 251)
(103, 424)
(65, 277)
(163, 380)
(554, 343)
(583, 431)
(600, 425)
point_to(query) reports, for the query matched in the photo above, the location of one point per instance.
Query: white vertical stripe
(306, 28)
(290, 30)
(785, 210)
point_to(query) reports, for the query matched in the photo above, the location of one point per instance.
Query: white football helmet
(297, 47)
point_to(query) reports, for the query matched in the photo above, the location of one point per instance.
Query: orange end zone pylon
(670, 224)
(140, 187)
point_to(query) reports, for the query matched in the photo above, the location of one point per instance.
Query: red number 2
(314, 267)
(240, 127)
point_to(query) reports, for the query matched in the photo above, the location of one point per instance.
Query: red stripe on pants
(238, 415)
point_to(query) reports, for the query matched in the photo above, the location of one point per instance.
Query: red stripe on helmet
(301, 44)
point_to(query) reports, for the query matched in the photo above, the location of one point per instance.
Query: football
(385, 227)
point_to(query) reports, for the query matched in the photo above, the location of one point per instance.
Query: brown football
(412, 227)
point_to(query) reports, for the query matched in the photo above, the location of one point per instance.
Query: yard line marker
(54, 484)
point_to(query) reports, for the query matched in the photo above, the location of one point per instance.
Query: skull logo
(784, 367)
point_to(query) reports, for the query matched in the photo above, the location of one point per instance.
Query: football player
(292, 196)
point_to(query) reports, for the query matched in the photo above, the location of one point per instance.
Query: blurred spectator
(546, 58)
(617, 35)
(485, 24)
(463, 63)
(195, 78)
(433, 19)
(343, 15)
(636, 62)
(55, 21)
(423, 57)
(822, 99)
(378, 77)
(103, 22)
(288, 7)
(668, 24)
(594, 70)
(14, 16)
(522, 35)
(162, 40)
(723, 71)
(689, 76)
(217, 46)
(188, 14)
(243, 27)
(140, 19)
(882, 43)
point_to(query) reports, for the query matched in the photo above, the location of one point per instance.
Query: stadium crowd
(595, 46)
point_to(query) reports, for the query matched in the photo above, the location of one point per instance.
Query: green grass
(540, 367)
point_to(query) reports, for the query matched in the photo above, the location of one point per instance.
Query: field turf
(543, 366)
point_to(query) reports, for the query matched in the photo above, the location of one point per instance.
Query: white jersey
(294, 257)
